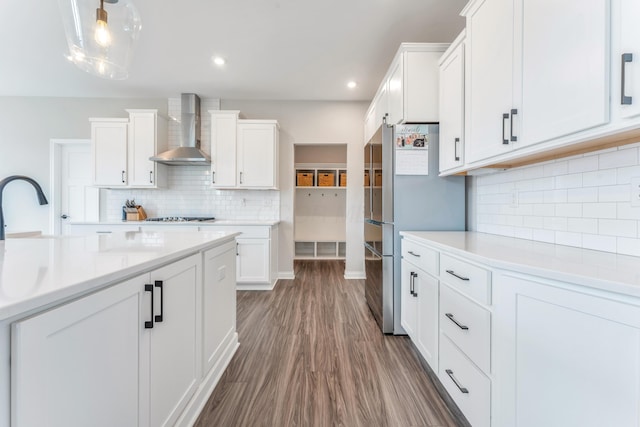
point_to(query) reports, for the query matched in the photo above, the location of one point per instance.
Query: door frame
(55, 164)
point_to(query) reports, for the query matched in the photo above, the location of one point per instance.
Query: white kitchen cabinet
(489, 80)
(253, 260)
(408, 303)
(567, 355)
(79, 364)
(625, 60)
(224, 130)
(109, 151)
(527, 81)
(452, 74)
(412, 82)
(146, 138)
(218, 304)
(174, 345)
(258, 154)
(245, 152)
(121, 149)
(419, 303)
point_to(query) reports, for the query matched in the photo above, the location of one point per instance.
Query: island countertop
(38, 272)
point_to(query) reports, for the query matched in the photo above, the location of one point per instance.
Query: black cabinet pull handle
(626, 58)
(415, 294)
(451, 272)
(122, 176)
(150, 177)
(414, 254)
(411, 283)
(240, 177)
(455, 149)
(513, 113)
(213, 177)
(159, 285)
(461, 326)
(149, 324)
(505, 116)
(455, 381)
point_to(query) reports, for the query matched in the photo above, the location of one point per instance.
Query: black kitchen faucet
(41, 198)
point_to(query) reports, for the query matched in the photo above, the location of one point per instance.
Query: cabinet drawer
(467, 324)
(469, 279)
(465, 383)
(420, 256)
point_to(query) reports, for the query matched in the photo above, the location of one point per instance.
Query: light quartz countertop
(38, 272)
(186, 223)
(595, 269)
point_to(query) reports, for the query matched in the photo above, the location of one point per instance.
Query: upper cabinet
(244, 152)
(409, 91)
(452, 105)
(544, 82)
(625, 61)
(121, 149)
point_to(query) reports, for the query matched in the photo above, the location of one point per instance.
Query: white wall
(27, 124)
(582, 201)
(315, 122)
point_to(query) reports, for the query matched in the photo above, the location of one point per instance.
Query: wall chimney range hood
(189, 152)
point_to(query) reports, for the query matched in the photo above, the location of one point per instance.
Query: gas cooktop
(180, 219)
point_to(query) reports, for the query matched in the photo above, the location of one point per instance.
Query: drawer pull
(450, 316)
(451, 272)
(455, 381)
(414, 254)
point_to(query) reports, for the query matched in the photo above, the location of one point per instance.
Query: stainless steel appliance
(404, 193)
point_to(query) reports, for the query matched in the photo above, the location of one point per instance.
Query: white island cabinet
(535, 334)
(140, 338)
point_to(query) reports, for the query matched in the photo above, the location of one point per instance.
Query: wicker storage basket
(378, 179)
(366, 179)
(305, 179)
(326, 179)
(343, 179)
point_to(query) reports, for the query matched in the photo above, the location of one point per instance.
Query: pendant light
(101, 40)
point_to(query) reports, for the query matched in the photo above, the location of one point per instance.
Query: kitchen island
(131, 328)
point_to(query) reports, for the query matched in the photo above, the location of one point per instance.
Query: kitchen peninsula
(141, 321)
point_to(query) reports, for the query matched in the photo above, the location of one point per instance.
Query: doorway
(73, 198)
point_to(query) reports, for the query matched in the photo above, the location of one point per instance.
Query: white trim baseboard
(286, 275)
(354, 275)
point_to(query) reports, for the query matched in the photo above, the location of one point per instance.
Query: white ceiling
(275, 49)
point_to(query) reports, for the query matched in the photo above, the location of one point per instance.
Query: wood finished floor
(311, 354)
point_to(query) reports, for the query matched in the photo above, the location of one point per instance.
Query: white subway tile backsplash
(618, 227)
(583, 164)
(581, 201)
(599, 210)
(619, 158)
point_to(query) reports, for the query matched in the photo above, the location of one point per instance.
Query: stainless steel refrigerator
(403, 192)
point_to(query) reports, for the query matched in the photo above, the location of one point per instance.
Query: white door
(490, 43)
(79, 201)
(565, 68)
(224, 131)
(395, 98)
(256, 155)
(142, 145)
(78, 365)
(174, 362)
(109, 155)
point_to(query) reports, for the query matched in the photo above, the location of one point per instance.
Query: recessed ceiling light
(218, 60)
(352, 85)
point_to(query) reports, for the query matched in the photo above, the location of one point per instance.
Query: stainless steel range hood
(189, 152)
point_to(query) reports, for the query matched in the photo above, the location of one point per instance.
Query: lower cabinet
(173, 366)
(80, 364)
(253, 260)
(419, 311)
(567, 356)
(139, 353)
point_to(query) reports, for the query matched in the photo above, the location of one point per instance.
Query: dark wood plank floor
(311, 354)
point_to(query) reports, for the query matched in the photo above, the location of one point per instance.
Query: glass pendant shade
(101, 38)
